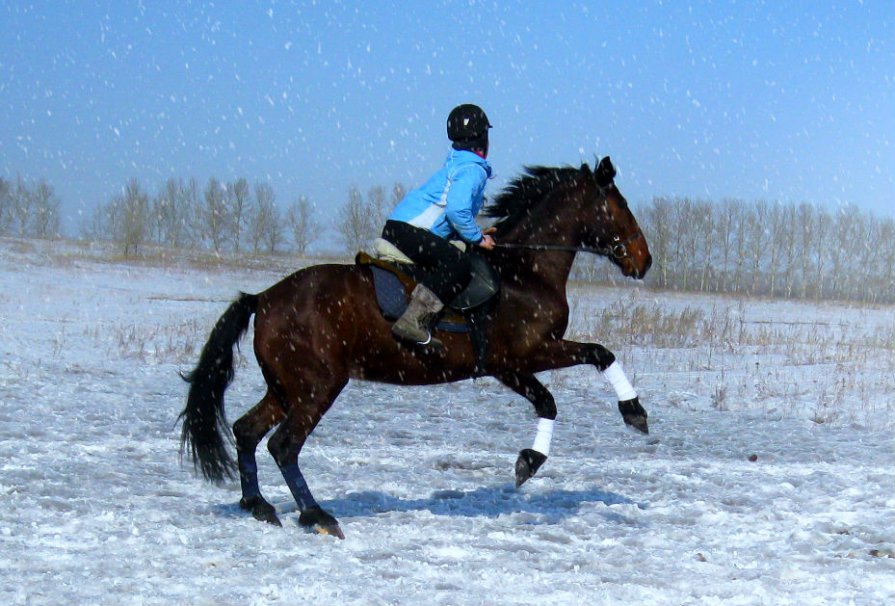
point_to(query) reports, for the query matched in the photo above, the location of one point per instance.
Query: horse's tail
(205, 430)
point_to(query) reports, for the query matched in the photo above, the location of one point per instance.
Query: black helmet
(468, 125)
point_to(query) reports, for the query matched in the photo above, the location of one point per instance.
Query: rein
(618, 249)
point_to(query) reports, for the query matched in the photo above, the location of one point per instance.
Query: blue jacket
(448, 203)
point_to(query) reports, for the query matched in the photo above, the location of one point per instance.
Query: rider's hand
(487, 242)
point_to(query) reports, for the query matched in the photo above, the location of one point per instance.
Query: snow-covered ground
(768, 478)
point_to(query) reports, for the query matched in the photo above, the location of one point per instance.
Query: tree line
(233, 217)
(772, 249)
(754, 248)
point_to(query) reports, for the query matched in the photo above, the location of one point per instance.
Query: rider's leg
(448, 273)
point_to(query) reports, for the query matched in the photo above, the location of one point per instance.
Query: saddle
(395, 276)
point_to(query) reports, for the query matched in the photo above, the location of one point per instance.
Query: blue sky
(789, 101)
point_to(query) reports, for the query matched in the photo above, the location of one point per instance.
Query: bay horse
(321, 326)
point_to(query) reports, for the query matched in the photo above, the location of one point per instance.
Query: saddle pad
(392, 299)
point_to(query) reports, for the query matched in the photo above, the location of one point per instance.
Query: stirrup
(430, 341)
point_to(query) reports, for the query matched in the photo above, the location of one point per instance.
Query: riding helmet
(467, 126)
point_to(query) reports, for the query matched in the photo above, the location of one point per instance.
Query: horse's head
(571, 209)
(611, 227)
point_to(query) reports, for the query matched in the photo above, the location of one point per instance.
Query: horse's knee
(601, 357)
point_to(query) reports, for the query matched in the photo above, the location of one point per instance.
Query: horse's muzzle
(633, 268)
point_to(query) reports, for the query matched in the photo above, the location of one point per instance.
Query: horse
(321, 326)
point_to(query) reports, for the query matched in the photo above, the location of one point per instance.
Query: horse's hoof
(318, 521)
(634, 415)
(261, 510)
(527, 465)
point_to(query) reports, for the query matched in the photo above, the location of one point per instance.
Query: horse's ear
(585, 169)
(605, 172)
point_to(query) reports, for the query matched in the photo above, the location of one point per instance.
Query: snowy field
(768, 478)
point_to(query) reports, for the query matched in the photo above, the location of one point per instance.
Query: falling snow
(752, 499)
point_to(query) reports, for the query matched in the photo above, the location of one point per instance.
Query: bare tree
(725, 227)
(125, 219)
(776, 246)
(820, 243)
(883, 286)
(158, 207)
(215, 215)
(758, 236)
(356, 225)
(21, 207)
(238, 204)
(191, 203)
(305, 229)
(135, 215)
(805, 221)
(655, 223)
(44, 220)
(788, 234)
(267, 228)
(703, 241)
(172, 211)
(864, 252)
(843, 237)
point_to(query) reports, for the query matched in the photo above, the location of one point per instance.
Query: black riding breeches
(447, 267)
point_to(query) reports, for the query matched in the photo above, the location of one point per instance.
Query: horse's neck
(552, 223)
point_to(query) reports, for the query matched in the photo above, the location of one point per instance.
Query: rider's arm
(465, 194)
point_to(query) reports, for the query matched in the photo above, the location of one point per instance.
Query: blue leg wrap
(300, 491)
(248, 475)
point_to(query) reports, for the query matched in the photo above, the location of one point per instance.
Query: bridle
(618, 249)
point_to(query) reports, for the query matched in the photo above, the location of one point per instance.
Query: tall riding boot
(413, 325)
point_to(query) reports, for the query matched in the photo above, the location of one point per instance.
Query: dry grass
(717, 350)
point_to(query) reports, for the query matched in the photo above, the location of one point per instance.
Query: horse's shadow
(487, 501)
(552, 506)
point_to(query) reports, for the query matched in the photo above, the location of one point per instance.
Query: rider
(442, 209)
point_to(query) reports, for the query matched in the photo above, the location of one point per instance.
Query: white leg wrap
(544, 436)
(616, 377)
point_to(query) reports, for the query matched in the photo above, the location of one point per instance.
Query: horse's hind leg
(528, 386)
(286, 443)
(249, 430)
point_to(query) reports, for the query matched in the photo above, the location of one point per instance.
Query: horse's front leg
(562, 354)
(527, 386)
(633, 413)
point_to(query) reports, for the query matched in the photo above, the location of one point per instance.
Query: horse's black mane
(529, 188)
